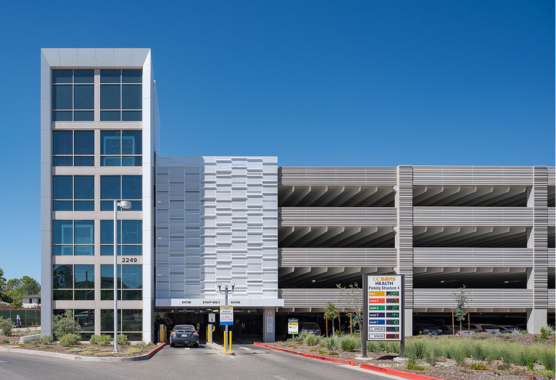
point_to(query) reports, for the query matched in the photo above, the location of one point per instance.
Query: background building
(284, 236)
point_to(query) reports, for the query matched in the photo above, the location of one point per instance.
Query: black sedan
(184, 334)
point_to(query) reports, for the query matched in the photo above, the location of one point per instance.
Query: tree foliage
(11, 290)
(460, 311)
(331, 313)
(352, 296)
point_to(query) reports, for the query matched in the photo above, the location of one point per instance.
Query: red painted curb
(155, 350)
(306, 355)
(395, 372)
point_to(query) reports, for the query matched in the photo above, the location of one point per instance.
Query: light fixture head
(219, 285)
(124, 205)
(233, 285)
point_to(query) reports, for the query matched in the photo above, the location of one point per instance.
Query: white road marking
(187, 348)
(280, 378)
(245, 348)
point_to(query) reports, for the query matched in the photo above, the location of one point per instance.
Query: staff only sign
(384, 307)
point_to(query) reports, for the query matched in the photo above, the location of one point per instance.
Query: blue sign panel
(376, 321)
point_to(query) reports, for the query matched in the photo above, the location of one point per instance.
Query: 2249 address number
(129, 260)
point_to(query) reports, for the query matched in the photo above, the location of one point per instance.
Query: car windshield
(184, 328)
(490, 327)
(311, 325)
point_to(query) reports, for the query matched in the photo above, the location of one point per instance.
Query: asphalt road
(250, 362)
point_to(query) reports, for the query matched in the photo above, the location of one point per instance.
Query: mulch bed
(93, 350)
(445, 368)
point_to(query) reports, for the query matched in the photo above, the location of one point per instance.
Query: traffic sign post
(383, 300)
(227, 319)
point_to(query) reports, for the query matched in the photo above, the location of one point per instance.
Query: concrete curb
(312, 356)
(395, 372)
(218, 349)
(147, 356)
(29, 338)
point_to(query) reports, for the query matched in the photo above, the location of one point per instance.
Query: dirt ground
(445, 368)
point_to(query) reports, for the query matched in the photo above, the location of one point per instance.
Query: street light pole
(124, 205)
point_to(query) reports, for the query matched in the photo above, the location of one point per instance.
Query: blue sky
(323, 83)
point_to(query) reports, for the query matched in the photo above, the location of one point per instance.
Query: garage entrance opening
(247, 327)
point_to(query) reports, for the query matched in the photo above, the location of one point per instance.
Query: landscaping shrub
(349, 343)
(65, 324)
(373, 347)
(459, 355)
(415, 367)
(5, 341)
(123, 340)
(311, 340)
(544, 333)
(546, 358)
(70, 340)
(6, 325)
(47, 339)
(104, 340)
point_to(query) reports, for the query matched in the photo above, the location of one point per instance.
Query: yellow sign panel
(376, 293)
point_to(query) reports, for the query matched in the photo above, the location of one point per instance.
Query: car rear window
(490, 327)
(310, 325)
(184, 328)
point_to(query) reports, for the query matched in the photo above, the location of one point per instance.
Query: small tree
(331, 313)
(461, 310)
(352, 296)
(6, 326)
(65, 324)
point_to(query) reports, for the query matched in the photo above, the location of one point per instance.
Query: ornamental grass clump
(349, 343)
(311, 340)
(70, 340)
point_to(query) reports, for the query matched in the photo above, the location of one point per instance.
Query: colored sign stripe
(376, 300)
(376, 294)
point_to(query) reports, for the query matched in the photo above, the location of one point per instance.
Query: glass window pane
(108, 250)
(62, 187)
(63, 161)
(107, 276)
(132, 96)
(84, 276)
(62, 116)
(84, 142)
(132, 320)
(110, 116)
(106, 206)
(84, 187)
(83, 116)
(62, 142)
(61, 97)
(84, 295)
(61, 76)
(84, 97)
(128, 161)
(132, 295)
(131, 142)
(110, 142)
(63, 250)
(132, 250)
(62, 206)
(132, 76)
(62, 295)
(132, 276)
(110, 187)
(84, 232)
(109, 76)
(84, 206)
(132, 231)
(136, 206)
(109, 96)
(62, 277)
(84, 250)
(131, 187)
(84, 161)
(132, 116)
(83, 76)
(109, 161)
(86, 319)
(62, 231)
(107, 232)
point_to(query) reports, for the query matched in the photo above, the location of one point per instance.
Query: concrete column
(269, 325)
(404, 239)
(537, 275)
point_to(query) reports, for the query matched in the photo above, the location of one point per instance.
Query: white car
(485, 328)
